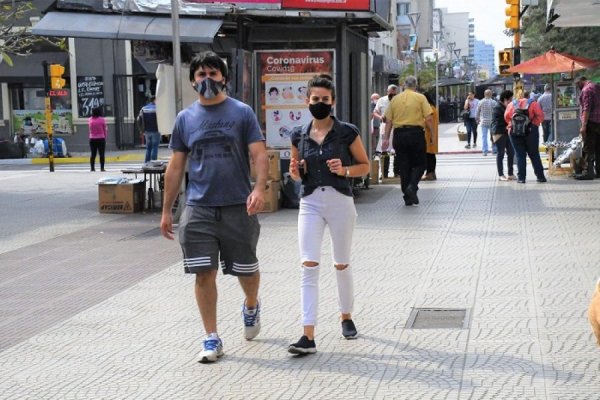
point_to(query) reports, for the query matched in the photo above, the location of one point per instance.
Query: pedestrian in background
(500, 137)
(97, 135)
(485, 109)
(408, 114)
(470, 105)
(375, 122)
(589, 102)
(325, 153)
(218, 227)
(527, 145)
(385, 151)
(148, 125)
(431, 138)
(545, 102)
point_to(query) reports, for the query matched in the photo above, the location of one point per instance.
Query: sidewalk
(97, 306)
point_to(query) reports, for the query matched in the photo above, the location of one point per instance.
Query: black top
(335, 145)
(498, 126)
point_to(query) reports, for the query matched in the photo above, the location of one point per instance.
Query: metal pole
(414, 20)
(48, 115)
(436, 38)
(176, 55)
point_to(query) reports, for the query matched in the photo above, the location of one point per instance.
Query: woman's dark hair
(429, 98)
(505, 95)
(211, 60)
(323, 81)
(96, 112)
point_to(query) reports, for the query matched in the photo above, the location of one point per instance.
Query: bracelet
(347, 172)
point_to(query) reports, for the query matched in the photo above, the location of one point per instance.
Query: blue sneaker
(212, 349)
(251, 318)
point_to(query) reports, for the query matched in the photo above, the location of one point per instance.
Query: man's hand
(385, 144)
(166, 225)
(256, 201)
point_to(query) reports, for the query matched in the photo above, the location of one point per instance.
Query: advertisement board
(282, 94)
(255, 3)
(351, 5)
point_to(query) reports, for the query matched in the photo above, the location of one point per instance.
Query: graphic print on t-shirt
(213, 144)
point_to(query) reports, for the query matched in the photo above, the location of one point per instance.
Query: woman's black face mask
(320, 110)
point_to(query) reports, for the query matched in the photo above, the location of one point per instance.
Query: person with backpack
(524, 117)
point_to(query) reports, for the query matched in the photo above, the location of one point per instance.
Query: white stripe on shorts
(245, 268)
(196, 262)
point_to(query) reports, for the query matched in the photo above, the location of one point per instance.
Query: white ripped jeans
(325, 207)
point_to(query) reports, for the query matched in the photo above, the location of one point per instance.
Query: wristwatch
(347, 172)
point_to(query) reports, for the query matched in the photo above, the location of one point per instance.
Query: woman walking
(431, 138)
(500, 137)
(98, 133)
(325, 153)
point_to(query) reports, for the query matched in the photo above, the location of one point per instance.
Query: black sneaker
(303, 346)
(542, 180)
(348, 329)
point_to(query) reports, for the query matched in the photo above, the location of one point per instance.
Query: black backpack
(520, 123)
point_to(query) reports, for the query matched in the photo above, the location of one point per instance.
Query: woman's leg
(101, 148)
(510, 152)
(469, 127)
(311, 227)
(501, 146)
(93, 150)
(341, 218)
(474, 121)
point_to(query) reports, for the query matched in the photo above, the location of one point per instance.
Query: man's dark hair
(505, 95)
(211, 60)
(323, 81)
(96, 112)
(526, 94)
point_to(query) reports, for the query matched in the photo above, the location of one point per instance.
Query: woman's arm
(361, 166)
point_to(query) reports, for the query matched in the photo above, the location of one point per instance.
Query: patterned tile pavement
(96, 306)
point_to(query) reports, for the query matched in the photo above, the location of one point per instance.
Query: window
(402, 8)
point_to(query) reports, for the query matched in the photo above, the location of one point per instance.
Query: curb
(71, 160)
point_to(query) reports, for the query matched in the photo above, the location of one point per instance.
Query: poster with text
(283, 78)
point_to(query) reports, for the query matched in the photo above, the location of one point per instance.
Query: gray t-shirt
(216, 139)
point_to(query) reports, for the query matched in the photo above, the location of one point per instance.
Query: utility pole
(176, 55)
(436, 38)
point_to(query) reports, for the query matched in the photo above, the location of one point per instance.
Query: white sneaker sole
(302, 350)
(209, 358)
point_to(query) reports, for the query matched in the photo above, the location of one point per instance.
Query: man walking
(149, 127)
(218, 228)
(545, 102)
(485, 110)
(408, 114)
(589, 101)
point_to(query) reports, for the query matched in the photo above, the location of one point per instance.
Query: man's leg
(148, 139)
(250, 285)
(206, 296)
(155, 143)
(484, 135)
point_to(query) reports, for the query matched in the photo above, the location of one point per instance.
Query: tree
(581, 42)
(17, 38)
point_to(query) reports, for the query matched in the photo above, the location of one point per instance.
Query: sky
(489, 19)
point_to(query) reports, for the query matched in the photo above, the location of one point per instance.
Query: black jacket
(498, 126)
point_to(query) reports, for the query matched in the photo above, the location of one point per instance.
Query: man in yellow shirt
(408, 113)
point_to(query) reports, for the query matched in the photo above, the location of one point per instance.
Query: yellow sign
(505, 61)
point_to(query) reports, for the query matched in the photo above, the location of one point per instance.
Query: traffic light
(505, 61)
(512, 12)
(56, 79)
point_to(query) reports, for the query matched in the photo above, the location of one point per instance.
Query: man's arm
(173, 178)
(585, 114)
(256, 200)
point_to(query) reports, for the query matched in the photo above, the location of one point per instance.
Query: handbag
(466, 114)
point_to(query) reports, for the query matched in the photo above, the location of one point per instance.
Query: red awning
(554, 62)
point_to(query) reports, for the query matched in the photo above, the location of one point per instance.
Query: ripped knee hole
(340, 267)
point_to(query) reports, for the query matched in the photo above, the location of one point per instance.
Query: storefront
(101, 58)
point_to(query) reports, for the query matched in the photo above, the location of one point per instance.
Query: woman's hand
(335, 166)
(295, 166)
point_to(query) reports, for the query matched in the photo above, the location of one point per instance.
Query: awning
(573, 13)
(125, 27)
(29, 68)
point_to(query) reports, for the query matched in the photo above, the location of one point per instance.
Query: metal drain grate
(438, 318)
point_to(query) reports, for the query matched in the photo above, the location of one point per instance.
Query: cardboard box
(121, 199)
(274, 167)
(272, 197)
(374, 172)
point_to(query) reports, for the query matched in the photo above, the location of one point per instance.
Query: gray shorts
(219, 236)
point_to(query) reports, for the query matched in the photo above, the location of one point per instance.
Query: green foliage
(17, 38)
(581, 42)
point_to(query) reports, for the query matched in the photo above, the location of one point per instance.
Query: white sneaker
(503, 178)
(212, 349)
(251, 318)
